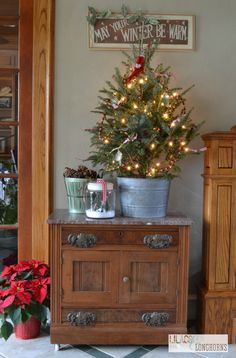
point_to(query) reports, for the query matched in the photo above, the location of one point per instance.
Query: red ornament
(139, 66)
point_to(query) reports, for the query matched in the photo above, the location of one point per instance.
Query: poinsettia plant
(24, 292)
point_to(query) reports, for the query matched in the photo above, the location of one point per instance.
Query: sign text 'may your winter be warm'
(173, 32)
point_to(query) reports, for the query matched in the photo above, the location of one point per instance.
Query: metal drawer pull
(158, 241)
(126, 279)
(83, 240)
(155, 318)
(81, 318)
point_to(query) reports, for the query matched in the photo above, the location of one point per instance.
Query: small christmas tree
(144, 128)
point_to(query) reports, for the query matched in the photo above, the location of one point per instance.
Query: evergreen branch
(97, 112)
(187, 90)
(124, 10)
(119, 79)
(94, 15)
(111, 86)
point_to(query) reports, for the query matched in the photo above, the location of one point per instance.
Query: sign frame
(93, 30)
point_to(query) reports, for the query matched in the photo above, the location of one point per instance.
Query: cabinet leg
(57, 347)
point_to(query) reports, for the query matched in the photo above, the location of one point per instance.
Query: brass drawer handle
(155, 318)
(83, 240)
(81, 318)
(158, 241)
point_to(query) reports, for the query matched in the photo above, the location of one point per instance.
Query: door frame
(36, 92)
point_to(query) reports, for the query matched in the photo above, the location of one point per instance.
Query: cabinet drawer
(86, 237)
(141, 317)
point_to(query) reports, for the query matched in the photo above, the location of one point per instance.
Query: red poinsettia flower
(2, 293)
(39, 288)
(3, 284)
(13, 276)
(8, 271)
(23, 265)
(40, 269)
(18, 303)
(37, 267)
(17, 290)
(25, 288)
(7, 302)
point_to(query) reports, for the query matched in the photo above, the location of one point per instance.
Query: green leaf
(33, 309)
(2, 318)
(10, 309)
(25, 316)
(2, 279)
(133, 18)
(38, 310)
(27, 275)
(165, 127)
(109, 12)
(6, 330)
(153, 20)
(124, 10)
(43, 313)
(91, 9)
(91, 19)
(105, 13)
(16, 316)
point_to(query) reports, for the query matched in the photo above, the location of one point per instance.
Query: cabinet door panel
(148, 277)
(89, 276)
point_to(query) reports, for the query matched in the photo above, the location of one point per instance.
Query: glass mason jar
(100, 200)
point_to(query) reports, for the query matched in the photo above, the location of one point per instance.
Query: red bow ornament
(139, 66)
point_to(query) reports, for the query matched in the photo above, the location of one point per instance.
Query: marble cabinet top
(63, 216)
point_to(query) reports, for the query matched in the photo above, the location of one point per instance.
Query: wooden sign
(173, 32)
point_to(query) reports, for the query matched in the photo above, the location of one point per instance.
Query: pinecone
(81, 172)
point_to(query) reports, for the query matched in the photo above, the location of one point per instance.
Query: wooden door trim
(42, 125)
(25, 130)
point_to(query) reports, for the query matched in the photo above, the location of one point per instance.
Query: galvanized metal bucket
(143, 197)
(75, 189)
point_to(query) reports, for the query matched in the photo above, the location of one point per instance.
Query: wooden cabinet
(119, 281)
(217, 296)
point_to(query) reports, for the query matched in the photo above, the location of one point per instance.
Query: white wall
(80, 72)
